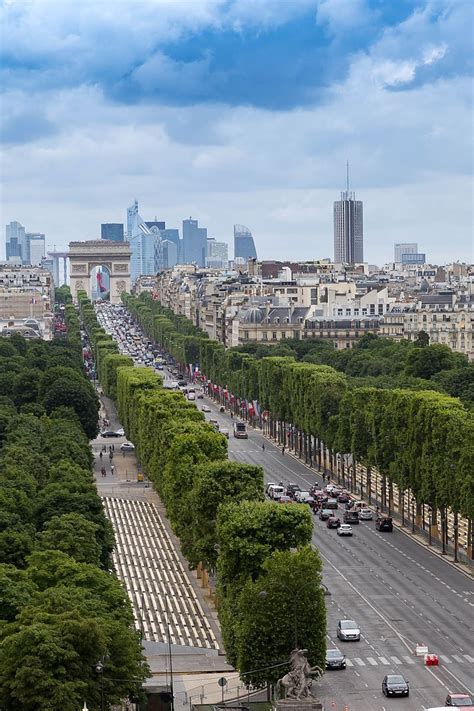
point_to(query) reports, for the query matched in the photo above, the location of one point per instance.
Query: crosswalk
(405, 659)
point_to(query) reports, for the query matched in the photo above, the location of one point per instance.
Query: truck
(240, 430)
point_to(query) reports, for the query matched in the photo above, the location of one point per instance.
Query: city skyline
(385, 85)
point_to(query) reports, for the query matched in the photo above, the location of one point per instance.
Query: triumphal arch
(85, 256)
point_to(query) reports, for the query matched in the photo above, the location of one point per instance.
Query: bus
(240, 430)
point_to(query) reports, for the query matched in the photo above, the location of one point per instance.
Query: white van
(275, 491)
(303, 497)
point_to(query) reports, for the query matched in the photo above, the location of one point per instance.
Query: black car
(395, 685)
(324, 514)
(291, 489)
(384, 523)
(335, 659)
(109, 433)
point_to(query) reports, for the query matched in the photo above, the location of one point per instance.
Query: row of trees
(217, 509)
(61, 609)
(419, 439)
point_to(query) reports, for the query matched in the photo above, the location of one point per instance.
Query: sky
(241, 111)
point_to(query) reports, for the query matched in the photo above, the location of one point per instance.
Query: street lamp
(413, 514)
(99, 668)
(443, 530)
(430, 523)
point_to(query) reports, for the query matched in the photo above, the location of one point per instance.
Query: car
(459, 700)
(366, 515)
(384, 523)
(224, 431)
(291, 489)
(200, 395)
(333, 522)
(205, 408)
(215, 424)
(345, 529)
(191, 397)
(343, 497)
(285, 499)
(331, 504)
(303, 497)
(127, 447)
(348, 630)
(395, 685)
(276, 491)
(351, 516)
(109, 433)
(324, 514)
(120, 432)
(335, 659)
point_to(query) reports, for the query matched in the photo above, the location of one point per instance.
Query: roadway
(398, 591)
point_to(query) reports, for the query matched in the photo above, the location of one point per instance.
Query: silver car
(366, 515)
(348, 631)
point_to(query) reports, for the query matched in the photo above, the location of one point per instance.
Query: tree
(73, 534)
(422, 339)
(288, 590)
(78, 395)
(426, 362)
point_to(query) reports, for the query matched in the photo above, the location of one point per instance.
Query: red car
(459, 701)
(333, 522)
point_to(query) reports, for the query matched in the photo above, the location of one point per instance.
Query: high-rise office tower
(16, 244)
(244, 246)
(404, 248)
(217, 254)
(169, 252)
(36, 248)
(348, 228)
(194, 243)
(112, 231)
(142, 244)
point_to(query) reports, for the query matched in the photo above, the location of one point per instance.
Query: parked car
(205, 408)
(224, 431)
(395, 685)
(459, 700)
(324, 514)
(366, 515)
(109, 433)
(333, 522)
(120, 432)
(335, 659)
(127, 447)
(345, 529)
(348, 631)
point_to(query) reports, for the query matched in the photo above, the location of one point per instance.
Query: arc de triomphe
(84, 256)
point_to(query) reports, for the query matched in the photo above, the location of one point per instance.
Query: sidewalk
(123, 484)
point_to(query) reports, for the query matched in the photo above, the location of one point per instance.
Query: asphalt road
(398, 591)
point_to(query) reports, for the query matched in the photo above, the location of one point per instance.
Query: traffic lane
(434, 621)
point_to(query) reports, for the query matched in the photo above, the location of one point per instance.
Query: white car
(127, 447)
(120, 432)
(366, 515)
(224, 431)
(205, 408)
(345, 529)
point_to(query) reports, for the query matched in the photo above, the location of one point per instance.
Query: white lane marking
(359, 661)
(408, 660)
(383, 660)
(457, 658)
(395, 660)
(349, 663)
(444, 658)
(372, 661)
(469, 658)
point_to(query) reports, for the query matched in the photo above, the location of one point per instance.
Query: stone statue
(297, 683)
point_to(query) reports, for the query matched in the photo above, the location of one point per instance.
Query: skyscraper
(244, 246)
(348, 228)
(16, 244)
(217, 254)
(142, 244)
(36, 248)
(112, 231)
(194, 243)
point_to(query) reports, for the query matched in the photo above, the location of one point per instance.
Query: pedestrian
(104, 448)
(263, 446)
(113, 448)
(101, 454)
(112, 469)
(110, 447)
(324, 476)
(283, 450)
(111, 455)
(103, 471)
(231, 415)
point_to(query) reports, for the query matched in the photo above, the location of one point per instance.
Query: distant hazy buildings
(36, 248)
(112, 231)
(407, 253)
(348, 229)
(244, 246)
(142, 244)
(217, 254)
(194, 243)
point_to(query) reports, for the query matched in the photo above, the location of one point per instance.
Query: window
(356, 312)
(348, 345)
(380, 309)
(265, 336)
(339, 312)
(283, 334)
(246, 334)
(314, 297)
(296, 334)
(274, 335)
(364, 312)
(372, 309)
(348, 312)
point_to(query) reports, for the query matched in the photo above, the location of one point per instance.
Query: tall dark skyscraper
(112, 231)
(244, 246)
(194, 243)
(348, 228)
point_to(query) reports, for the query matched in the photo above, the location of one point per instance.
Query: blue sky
(241, 111)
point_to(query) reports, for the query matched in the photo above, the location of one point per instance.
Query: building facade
(348, 230)
(401, 248)
(194, 243)
(244, 245)
(217, 254)
(16, 247)
(112, 231)
(36, 248)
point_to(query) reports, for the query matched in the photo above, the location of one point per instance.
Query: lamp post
(456, 536)
(99, 667)
(168, 634)
(430, 523)
(443, 530)
(413, 514)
